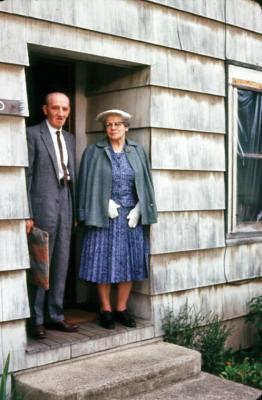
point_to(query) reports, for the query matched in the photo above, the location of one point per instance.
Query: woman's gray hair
(126, 122)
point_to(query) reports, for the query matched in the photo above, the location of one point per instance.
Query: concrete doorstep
(116, 375)
(204, 387)
(152, 371)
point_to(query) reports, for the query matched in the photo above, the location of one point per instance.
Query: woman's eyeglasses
(111, 124)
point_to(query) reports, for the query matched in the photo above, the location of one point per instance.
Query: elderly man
(51, 191)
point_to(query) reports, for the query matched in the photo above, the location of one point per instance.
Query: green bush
(208, 335)
(212, 345)
(247, 372)
(204, 333)
(180, 329)
(255, 317)
(245, 366)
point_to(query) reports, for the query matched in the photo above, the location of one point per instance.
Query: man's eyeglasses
(111, 124)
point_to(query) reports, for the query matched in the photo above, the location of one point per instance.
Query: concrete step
(204, 387)
(115, 375)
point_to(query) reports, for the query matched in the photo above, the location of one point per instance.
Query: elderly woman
(116, 203)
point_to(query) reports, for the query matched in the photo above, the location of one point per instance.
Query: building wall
(13, 210)
(175, 53)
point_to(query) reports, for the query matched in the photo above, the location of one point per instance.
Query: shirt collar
(51, 128)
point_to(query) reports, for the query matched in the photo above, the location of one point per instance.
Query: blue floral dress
(117, 253)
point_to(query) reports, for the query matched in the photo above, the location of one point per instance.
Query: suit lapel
(46, 137)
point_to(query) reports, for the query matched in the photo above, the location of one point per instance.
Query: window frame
(250, 79)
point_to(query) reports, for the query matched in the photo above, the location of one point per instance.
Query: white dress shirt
(53, 134)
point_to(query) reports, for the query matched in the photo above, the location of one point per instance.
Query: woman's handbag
(39, 257)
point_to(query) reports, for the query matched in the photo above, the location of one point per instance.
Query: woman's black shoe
(125, 318)
(106, 319)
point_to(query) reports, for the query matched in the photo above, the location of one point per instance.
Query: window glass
(249, 158)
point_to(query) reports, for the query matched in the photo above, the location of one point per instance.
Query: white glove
(112, 209)
(134, 216)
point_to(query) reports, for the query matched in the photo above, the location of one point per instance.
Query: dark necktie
(62, 157)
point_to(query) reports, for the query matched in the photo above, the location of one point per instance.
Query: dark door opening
(47, 75)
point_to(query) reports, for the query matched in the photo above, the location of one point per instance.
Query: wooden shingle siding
(49, 10)
(170, 68)
(13, 340)
(143, 22)
(243, 262)
(13, 246)
(188, 111)
(13, 85)
(244, 46)
(13, 146)
(12, 40)
(185, 150)
(13, 293)
(184, 191)
(13, 195)
(183, 231)
(187, 71)
(186, 270)
(246, 14)
(227, 301)
(214, 9)
(110, 49)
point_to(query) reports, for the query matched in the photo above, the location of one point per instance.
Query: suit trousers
(48, 305)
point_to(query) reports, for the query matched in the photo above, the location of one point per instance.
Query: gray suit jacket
(42, 175)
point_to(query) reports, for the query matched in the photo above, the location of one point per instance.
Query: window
(245, 153)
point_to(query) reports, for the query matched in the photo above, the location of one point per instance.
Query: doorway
(91, 85)
(47, 75)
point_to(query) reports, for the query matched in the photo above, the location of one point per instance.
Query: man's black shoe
(37, 332)
(62, 326)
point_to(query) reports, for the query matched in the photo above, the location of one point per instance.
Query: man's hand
(134, 216)
(29, 225)
(112, 209)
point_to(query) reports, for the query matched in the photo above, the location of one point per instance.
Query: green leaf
(3, 382)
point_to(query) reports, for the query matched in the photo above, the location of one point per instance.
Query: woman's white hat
(103, 115)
